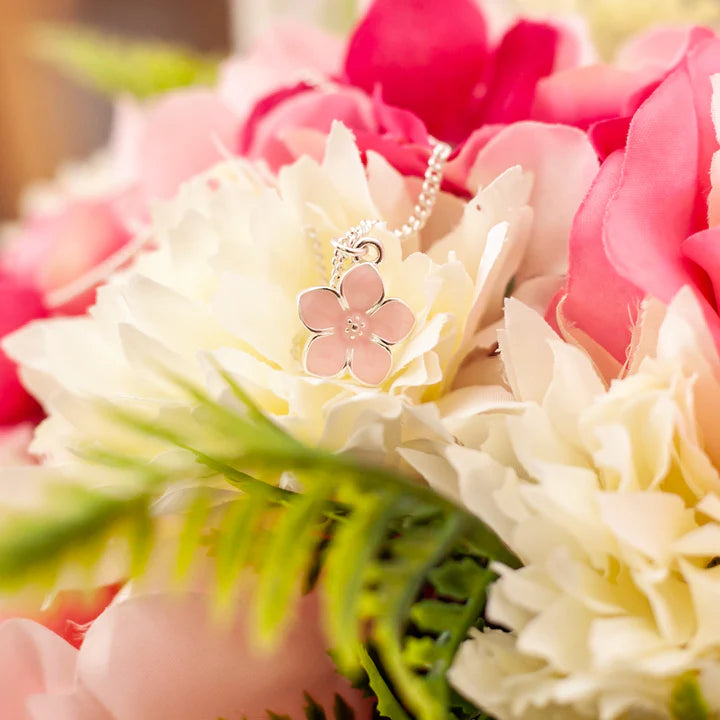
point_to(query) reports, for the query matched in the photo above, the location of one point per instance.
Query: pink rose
(444, 77)
(649, 225)
(55, 251)
(161, 656)
(446, 71)
(19, 304)
(602, 98)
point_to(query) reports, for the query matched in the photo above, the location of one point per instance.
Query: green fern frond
(115, 66)
(73, 526)
(403, 570)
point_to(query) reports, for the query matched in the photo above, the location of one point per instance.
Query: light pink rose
(290, 53)
(57, 249)
(158, 656)
(66, 251)
(645, 227)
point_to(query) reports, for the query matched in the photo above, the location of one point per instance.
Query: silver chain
(428, 194)
(357, 244)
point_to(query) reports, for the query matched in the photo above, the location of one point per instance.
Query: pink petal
(661, 48)
(599, 301)
(703, 248)
(432, 70)
(392, 321)
(362, 287)
(607, 136)
(33, 660)
(320, 309)
(326, 355)
(161, 655)
(370, 362)
(184, 135)
(666, 172)
(525, 55)
(20, 303)
(563, 164)
(582, 96)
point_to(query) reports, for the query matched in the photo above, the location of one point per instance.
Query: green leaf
(455, 578)
(342, 710)
(312, 710)
(687, 701)
(403, 570)
(114, 66)
(70, 525)
(388, 705)
(435, 615)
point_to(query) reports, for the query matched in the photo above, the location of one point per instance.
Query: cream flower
(610, 497)
(234, 252)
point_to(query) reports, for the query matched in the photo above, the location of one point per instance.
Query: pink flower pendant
(354, 326)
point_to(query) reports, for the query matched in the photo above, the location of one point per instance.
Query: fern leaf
(114, 66)
(403, 569)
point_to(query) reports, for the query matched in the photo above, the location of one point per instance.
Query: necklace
(354, 325)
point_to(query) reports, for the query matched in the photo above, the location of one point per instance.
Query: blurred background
(47, 118)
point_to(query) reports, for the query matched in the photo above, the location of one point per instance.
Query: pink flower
(54, 251)
(19, 304)
(648, 227)
(602, 98)
(161, 656)
(445, 70)
(356, 326)
(445, 77)
(290, 53)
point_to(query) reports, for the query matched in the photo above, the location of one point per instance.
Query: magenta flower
(355, 326)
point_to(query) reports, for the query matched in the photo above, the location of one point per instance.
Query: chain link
(355, 243)
(429, 191)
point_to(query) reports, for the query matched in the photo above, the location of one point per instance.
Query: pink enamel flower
(355, 326)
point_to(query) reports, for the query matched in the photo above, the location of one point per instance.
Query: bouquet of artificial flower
(375, 377)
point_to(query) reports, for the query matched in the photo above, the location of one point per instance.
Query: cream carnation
(233, 253)
(611, 499)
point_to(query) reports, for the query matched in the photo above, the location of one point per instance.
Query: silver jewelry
(354, 325)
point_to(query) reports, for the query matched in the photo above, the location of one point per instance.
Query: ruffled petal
(320, 309)
(392, 321)
(326, 355)
(370, 362)
(362, 287)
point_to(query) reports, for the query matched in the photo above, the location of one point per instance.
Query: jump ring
(363, 247)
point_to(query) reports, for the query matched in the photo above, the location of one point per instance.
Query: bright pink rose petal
(362, 287)
(599, 301)
(326, 355)
(392, 321)
(607, 136)
(703, 248)
(432, 69)
(661, 197)
(526, 54)
(19, 304)
(320, 309)
(370, 362)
